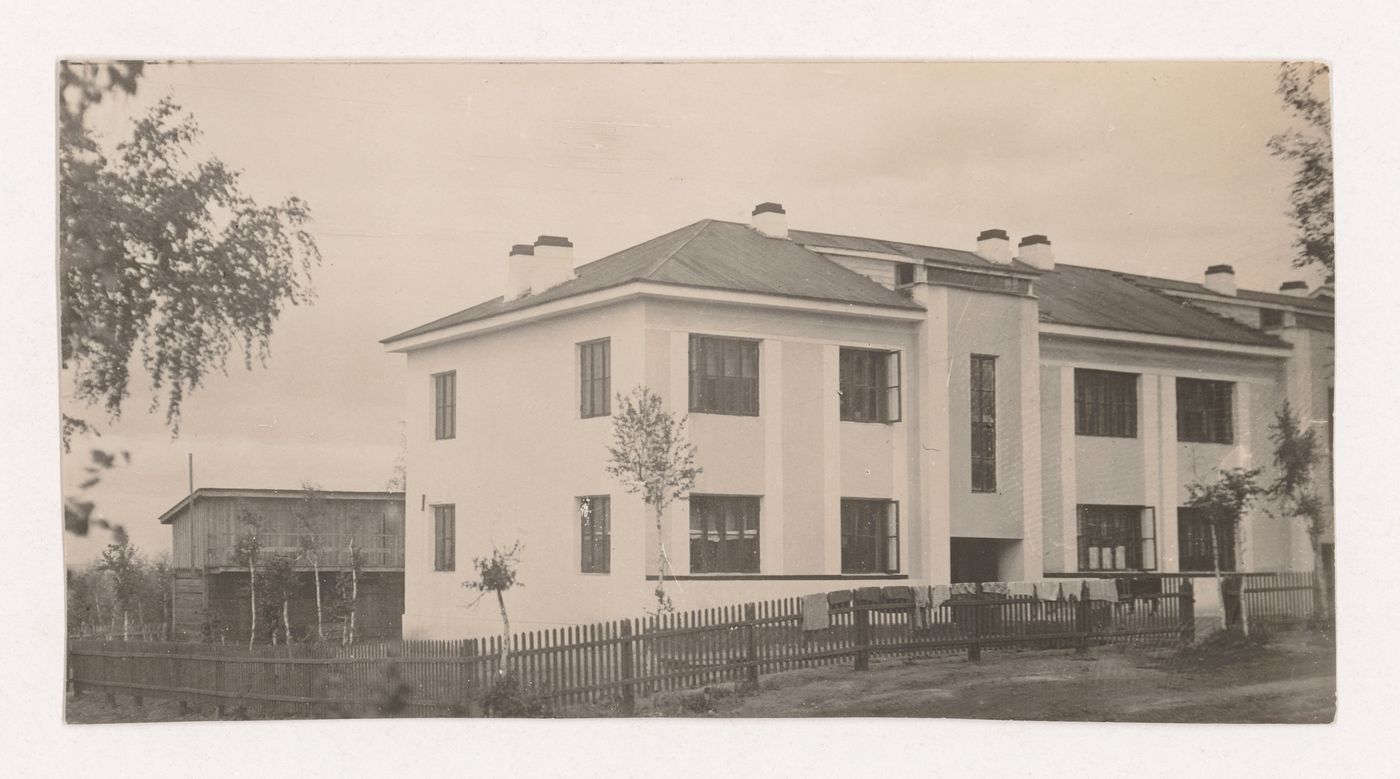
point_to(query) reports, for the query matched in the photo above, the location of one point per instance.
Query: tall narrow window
(1194, 542)
(869, 536)
(984, 423)
(1105, 403)
(723, 375)
(595, 529)
(723, 534)
(1203, 411)
(444, 538)
(445, 405)
(869, 385)
(1117, 538)
(595, 378)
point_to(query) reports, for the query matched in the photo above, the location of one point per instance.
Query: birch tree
(495, 575)
(245, 555)
(309, 519)
(651, 456)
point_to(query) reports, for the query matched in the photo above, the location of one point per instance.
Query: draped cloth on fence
(964, 588)
(921, 606)
(939, 594)
(1020, 589)
(816, 613)
(1103, 589)
(1047, 589)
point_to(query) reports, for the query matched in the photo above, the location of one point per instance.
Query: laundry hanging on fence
(1072, 588)
(964, 588)
(938, 595)
(1020, 589)
(995, 588)
(816, 612)
(1047, 589)
(921, 615)
(1103, 589)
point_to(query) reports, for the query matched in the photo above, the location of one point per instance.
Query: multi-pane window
(595, 530)
(595, 378)
(869, 385)
(445, 405)
(1117, 538)
(869, 536)
(723, 534)
(984, 423)
(1203, 411)
(1105, 403)
(1194, 542)
(723, 375)
(444, 538)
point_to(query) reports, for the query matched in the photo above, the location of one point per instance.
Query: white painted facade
(522, 455)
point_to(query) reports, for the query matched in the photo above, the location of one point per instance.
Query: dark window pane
(724, 375)
(724, 534)
(1116, 538)
(869, 385)
(1204, 412)
(1105, 403)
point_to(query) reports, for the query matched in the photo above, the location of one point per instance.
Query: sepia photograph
(905, 389)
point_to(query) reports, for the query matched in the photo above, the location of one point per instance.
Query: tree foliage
(651, 455)
(1305, 90)
(1223, 502)
(496, 575)
(1296, 456)
(122, 581)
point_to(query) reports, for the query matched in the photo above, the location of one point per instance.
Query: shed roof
(253, 492)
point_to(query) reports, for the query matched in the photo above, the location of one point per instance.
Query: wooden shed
(316, 529)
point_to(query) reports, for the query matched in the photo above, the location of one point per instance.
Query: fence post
(862, 618)
(629, 695)
(1083, 623)
(1188, 612)
(751, 644)
(974, 650)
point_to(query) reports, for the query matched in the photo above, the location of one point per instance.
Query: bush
(509, 698)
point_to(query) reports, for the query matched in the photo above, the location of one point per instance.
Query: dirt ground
(1291, 679)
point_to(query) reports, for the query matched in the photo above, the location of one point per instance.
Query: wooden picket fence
(1268, 602)
(610, 666)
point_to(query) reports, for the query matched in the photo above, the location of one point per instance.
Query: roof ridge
(656, 266)
(1207, 312)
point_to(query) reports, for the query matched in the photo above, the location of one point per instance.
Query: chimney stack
(994, 246)
(1035, 251)
(554, 262)
(1220, 279)
(1297, 289)
(770, 219)
(520, 268)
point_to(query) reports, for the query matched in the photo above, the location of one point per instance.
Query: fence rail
(613, 664)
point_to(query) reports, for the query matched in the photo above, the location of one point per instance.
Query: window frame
(1139, 543)
(904, 269)
(730, 395)
(592, 540)
(595, 392)
(445, 405)
(982, 409)
(885, 543)
(1193, 543)
(1208, 416)
(444, 543)
(750, 561)
(1102, 409)
(882, 399)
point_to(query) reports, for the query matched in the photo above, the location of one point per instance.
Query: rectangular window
(1194, 542)
(1105, 403)
(723, 534)
(723, 375)
(1203, 411)
(595, 378)
(595, 528)
(1270, 318)
(1117, 538)
(903, 273)
(869, 536)
(445, 405)
(984, 423)
(869, 386)
(444, 538)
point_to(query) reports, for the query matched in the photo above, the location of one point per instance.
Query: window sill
(1106, 435)
(724, 413)
(871, 421)
(699, 577)
(1195, 441)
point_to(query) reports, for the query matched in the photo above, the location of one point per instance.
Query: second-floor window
(723, 534)
(595, 530)
(983, 392)
(445, 405)
(1105, 403)
(869, 385)
(869, 536)
(723, 375)
(444, 538)
(595, 378)
(1203, 411)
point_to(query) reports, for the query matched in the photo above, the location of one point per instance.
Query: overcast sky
(420, 177)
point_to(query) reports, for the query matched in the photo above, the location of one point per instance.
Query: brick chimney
(1035, 251)
(994, 246)
(1297, 289)
(554, 262)
(1220, 279)
(520, 269)
(770, 219)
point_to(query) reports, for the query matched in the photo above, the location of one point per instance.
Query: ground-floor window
(1117, 538)
(1194, 542)
(869, 536)
(444, 538)
(723, 534)
(595, 530)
